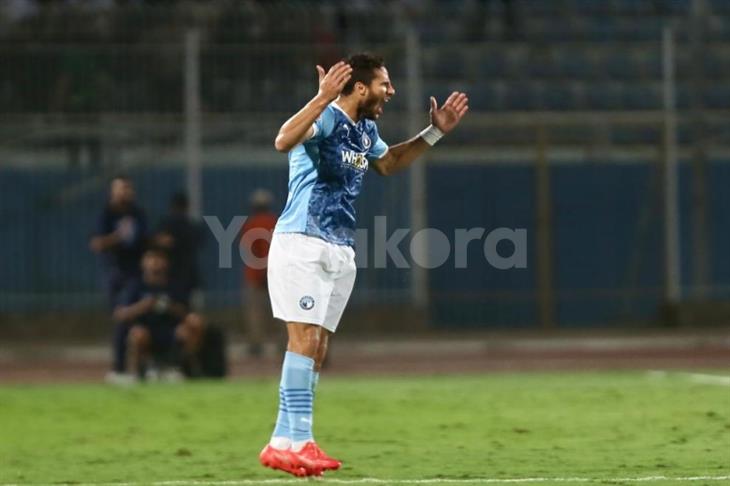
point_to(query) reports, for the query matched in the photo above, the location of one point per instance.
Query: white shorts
(310, 280)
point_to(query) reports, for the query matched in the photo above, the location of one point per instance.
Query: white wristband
(431, 135)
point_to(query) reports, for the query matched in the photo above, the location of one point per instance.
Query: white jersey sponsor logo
(355, 159)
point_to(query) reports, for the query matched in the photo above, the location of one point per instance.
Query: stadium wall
(607, 239)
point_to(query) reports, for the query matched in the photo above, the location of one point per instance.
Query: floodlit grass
(597, 425)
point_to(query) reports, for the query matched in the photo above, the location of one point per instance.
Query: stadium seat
(717, 97)
(575, 63)
(642, 97)
(603, 96)
(558, 96)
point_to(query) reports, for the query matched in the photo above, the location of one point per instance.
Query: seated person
(153, 308)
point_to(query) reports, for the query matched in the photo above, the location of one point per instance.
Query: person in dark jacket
(182, 237)
(119, 240)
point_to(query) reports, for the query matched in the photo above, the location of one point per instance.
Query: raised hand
(449, 115)
(331, 84)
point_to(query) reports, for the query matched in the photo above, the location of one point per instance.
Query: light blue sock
(281, 430)
(296, 382)
(315, 380)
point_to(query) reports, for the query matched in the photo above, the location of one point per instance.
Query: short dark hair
(363, 65)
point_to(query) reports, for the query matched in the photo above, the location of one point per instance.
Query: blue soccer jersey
(326, 174)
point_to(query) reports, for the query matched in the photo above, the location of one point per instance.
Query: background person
(255, 294)
(119, 240)
(153, 308)
(182, 237)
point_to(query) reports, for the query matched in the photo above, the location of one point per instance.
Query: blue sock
(315, 380)
(296, 383)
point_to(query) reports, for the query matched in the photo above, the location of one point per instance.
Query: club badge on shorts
(306, 302)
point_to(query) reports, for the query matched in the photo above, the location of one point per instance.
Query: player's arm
(443, 120)
(299, 128)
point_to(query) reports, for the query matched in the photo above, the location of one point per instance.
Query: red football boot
(282, 460)
(313, 453)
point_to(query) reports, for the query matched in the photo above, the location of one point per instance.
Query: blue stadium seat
(492, 64)
(649, 63)
(718, 6)
(451, 60)
(484, 96)
(523, 96)
(718, 29)
(559, 96)
(716, 64)
(642, 97)
(619, 65)
(603, 96)
(575, 63)
(717, 97)
(636, 135)
(682, 96)
(541, 64)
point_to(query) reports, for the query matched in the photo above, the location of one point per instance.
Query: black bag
(211, 360)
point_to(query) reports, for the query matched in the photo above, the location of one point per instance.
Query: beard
(370, 108)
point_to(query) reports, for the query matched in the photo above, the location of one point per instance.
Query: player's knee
(304, 339)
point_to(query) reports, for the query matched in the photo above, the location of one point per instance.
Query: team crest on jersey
(355, 159)
(306, 302)
(366, 141)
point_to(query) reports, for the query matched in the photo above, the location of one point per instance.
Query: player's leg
(321, 354)
(299, 287)
(345, 271)
(313, 341)
(297, 378)
(293, 429)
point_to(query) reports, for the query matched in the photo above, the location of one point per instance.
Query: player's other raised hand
(331, 83)
(449, 115)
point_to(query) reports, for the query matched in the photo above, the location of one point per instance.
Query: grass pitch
(591, 425)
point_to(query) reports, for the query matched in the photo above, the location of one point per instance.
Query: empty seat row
(538, 95)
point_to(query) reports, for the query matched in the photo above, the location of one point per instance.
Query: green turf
(598, 425)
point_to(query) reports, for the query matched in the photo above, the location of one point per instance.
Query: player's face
(379, 93)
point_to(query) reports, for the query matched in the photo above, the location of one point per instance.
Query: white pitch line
(706, 379)
(701, 378)
(242, 482)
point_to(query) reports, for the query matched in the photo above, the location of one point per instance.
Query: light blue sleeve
(324, 125)
(378, 148)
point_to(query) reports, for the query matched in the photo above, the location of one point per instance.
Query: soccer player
(332, 141)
